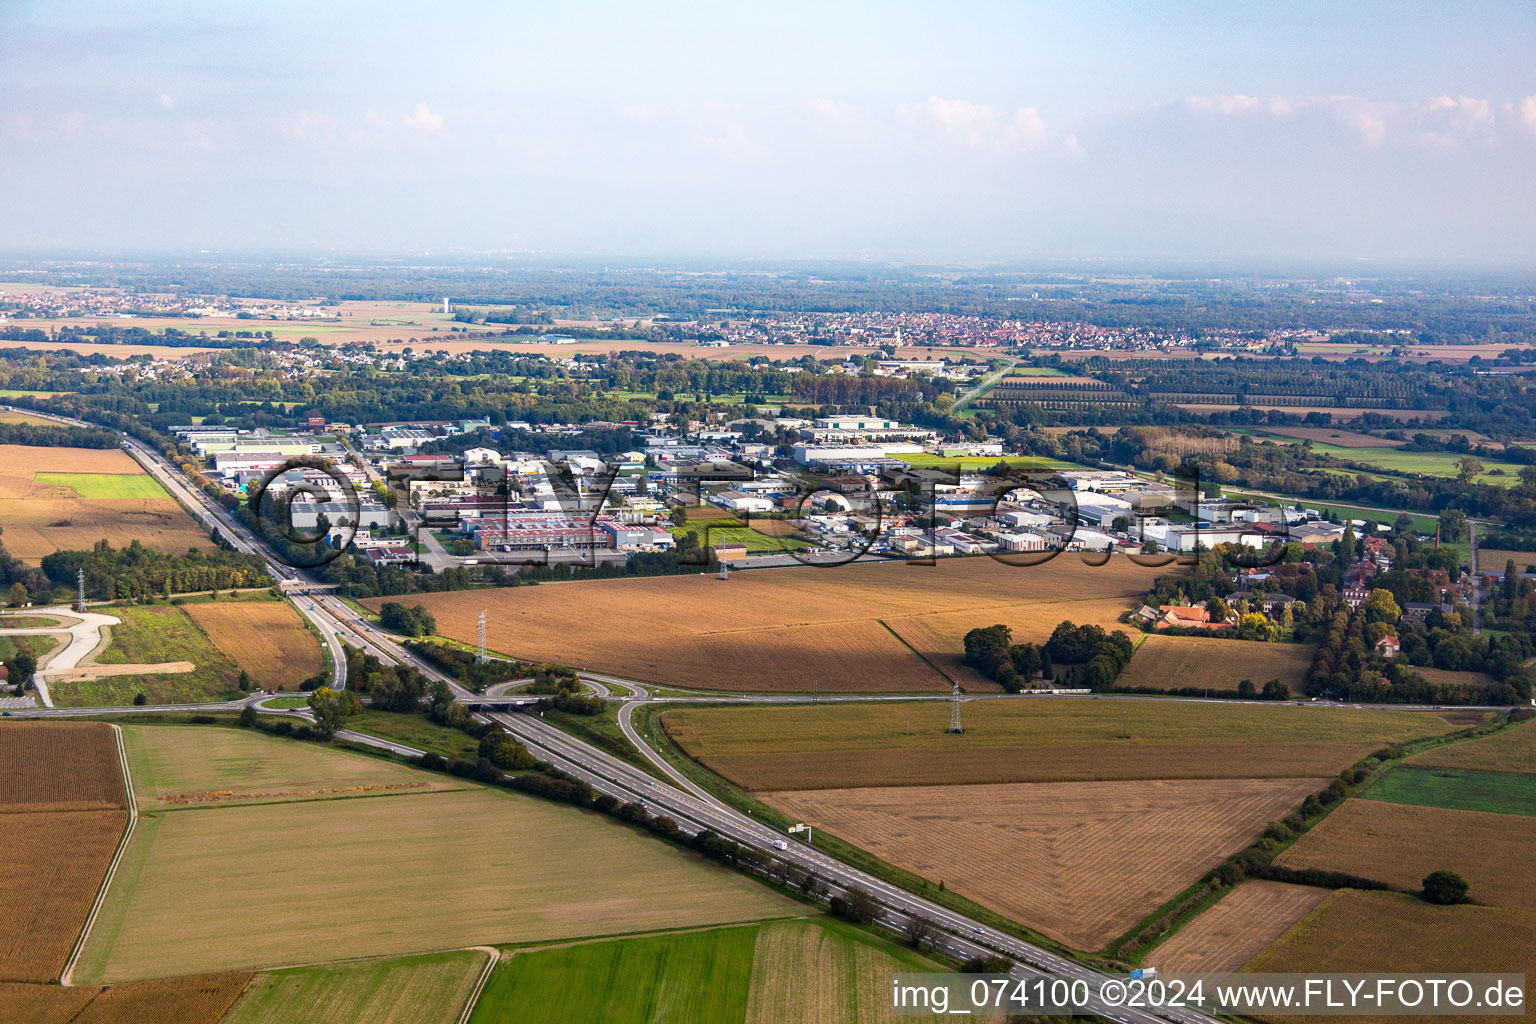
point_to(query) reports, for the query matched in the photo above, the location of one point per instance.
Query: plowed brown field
(266, 638)
(776, 629)
(1081, 862)
(1237, 928)
(1400, 844)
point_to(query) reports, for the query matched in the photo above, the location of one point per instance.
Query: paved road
(84, 636)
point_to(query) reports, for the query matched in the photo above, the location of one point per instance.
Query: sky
(924, 132)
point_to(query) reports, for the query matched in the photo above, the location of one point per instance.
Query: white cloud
(1446, 120)
(166, 101)
(423, 118)
(983, 125)
(1234, 104)
(1528, 112)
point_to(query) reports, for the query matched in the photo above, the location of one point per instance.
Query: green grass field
(712, 533)
(413, 990)
(1395, 460)
(417, 731)
(36, 644)
(695, 976)
(1458, 790)
(92, 486)
(152, 635)
(285, 703)
(801, 970)
(169, 764)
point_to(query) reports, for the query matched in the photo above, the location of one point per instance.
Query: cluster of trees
(1348, 667)
(466, 667)
(1095, 656)
(565, 690)
(50, 436)
(1512, 605)
(140, 573)
(412, 621)
(1012, 666)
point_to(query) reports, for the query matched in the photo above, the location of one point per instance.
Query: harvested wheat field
(1031, 739)
(1386, 932)
(40, 518)
(809, 974)
(1512, 750)
(174, 766)
(1494, 560)
(1080, 861)
(59, 766)
(1176, 662)
(54, 864)
(784, 629)
(43, 1004)
(1400, 844)
(266, 638)
(1449, 677)
(195, 999)
(1236, 929)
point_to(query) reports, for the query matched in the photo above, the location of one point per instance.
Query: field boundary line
(918, 654)
(485, 976)
(117, 856)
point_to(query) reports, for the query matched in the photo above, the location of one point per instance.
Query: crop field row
(410, 990)
(814, 971)
(1494, 560)
(174, 766)
(1384, 932)
(1040, 739)
(59, 766)
(1080, 861)
(1400, 844)
(1511, 750)
(85, 496)
(1458, 789)
(1237, 929)
(62, 810)
(267, 639)
(194, 999)
(311, 863)
(95, 486)
(1218, 665)
(790, 630)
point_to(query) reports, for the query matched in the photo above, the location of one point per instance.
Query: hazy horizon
(1381, 136)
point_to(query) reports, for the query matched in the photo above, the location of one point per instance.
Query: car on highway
(779, 844)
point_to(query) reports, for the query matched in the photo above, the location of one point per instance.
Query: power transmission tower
(80, 580)
(480, 656)
(954, 710)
